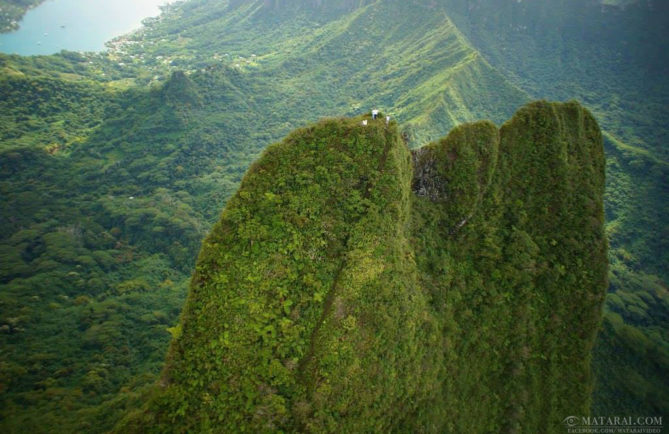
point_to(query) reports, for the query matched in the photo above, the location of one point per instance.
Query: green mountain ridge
(179, 163)
(329, 297)
(90, 278)
(614, 60)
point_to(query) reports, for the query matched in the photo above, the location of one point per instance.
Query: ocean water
(76, 25)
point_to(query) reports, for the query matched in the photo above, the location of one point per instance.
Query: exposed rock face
(426, 179)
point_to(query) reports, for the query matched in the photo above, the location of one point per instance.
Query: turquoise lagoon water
(76, 25)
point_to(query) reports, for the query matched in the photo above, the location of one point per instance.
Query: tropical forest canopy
(345, 289)
(114, 166)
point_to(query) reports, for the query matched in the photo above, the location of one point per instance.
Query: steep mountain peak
(329, 295)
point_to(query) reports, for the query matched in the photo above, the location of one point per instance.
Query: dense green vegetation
(90, 279)
(614, 59)
(329, 298)
(87, 292)
(511, 247)
(335, 59)
(11, 12)
(107, 192)
(85, 133)
(272, 336)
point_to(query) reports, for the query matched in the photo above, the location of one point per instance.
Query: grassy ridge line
(635, 150)
(347, 62)
(438, 96)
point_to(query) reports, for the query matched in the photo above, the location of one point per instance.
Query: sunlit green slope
(346, 289)
(340, 57)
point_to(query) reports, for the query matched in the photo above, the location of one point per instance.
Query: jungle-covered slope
(347, 289)
(109, 181)
(613, 57)
(113, 167)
